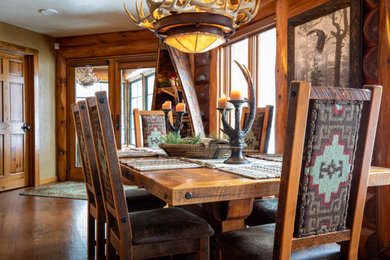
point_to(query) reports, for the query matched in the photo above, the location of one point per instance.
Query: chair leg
(91, 237)
(204, 253)
(111, 252)
(100, 237)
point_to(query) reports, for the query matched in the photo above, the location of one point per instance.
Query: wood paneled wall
(108, 46)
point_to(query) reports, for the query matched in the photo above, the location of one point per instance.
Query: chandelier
(194, 26)
(85, 76)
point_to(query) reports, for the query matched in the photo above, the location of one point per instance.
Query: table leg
(229, 215)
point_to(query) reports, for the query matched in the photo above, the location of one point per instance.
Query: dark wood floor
(42, 228)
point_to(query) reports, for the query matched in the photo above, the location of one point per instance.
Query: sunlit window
(137, 92)
(258, 54)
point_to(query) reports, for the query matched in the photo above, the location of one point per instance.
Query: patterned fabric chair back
(258, 136)
(153, 127)
(109, 169)
(332, 132)
(328, 147)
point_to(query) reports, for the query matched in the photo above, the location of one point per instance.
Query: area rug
(68, 189)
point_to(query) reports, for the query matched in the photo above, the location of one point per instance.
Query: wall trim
(48, 180)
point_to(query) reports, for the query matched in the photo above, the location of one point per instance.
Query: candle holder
(236, 134)
(178, 124)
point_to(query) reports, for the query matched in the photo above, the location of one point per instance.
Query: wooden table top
(202, 185)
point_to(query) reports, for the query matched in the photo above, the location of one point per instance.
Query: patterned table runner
(160, 163)
(140, 152)
(257, 169)
(275, 157)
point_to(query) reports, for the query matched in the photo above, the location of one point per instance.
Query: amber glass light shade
(195, 42)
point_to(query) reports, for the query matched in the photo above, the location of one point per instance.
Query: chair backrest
(118, 222)
(149, 127)
(328, 147)
(257, 139)
(88, 159)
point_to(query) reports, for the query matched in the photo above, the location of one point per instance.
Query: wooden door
(13, 126)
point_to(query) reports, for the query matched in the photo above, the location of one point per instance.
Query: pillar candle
(222, 102)
(167, 105)
(181, 107)
(235, 95)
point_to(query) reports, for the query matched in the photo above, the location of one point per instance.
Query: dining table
(224, 198)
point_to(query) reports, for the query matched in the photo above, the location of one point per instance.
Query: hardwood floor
(42, 228)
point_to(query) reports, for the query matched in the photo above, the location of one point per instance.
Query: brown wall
(46, 99)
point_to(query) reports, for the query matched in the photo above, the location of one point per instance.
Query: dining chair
(257, 139)
(328, 148)
(149, 127)
(96, 216)
(138, 199)
(142, 234)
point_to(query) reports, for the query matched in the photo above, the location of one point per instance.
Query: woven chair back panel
(101, 157)
(330, 145)
(83, 149)
(153, 129)
(253, 138)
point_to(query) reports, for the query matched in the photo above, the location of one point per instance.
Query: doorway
(129, 82)
(16, 119)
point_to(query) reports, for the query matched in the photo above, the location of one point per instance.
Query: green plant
(172, 138)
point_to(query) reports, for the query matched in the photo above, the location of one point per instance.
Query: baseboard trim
(48, 180)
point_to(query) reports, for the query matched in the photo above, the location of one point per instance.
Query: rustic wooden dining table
(224, 198)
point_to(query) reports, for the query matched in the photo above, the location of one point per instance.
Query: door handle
(117, 122)
(25, 127)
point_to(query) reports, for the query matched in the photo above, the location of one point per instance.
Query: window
(137, 92)
(258, 54)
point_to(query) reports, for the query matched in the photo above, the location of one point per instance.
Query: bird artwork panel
(322, 50)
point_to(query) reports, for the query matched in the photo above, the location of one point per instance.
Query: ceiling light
(48, 11)
(195, 26)
(85, 76)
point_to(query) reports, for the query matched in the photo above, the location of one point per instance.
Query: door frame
(114, 64)
(32, 91)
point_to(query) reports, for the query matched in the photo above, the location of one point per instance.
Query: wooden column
(382, 151)
(61, 131)
(282, 7)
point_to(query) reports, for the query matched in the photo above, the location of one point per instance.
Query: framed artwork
(324, 45)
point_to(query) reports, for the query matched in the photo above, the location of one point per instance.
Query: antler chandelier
(194, 26)
(85, 76)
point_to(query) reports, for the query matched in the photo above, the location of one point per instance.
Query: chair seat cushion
(256, 243)
(141, 199)
(167, 224)
(264, 212)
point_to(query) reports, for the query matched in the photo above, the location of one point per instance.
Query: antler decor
(236, 134)
(194, 25)
(240, 11)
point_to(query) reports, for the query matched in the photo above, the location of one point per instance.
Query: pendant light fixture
(194, 26)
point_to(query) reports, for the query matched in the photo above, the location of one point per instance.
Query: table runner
(140, 152)
(160, 163)
(257, 169)
(275, 157)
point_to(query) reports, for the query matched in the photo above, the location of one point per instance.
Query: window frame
(225, 63)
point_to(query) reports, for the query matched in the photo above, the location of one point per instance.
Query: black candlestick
(237, 135)
(178, 123)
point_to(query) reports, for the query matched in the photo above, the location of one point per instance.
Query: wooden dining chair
(142, 234)
(149, 127)
(138, 199)
(328, 148)
(96, 216)
(257, 139)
